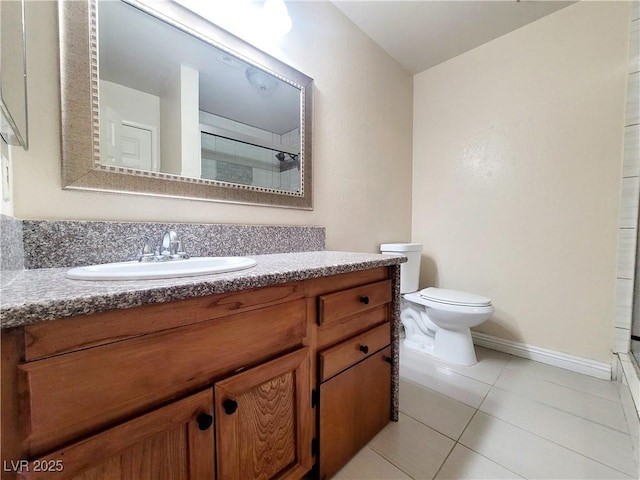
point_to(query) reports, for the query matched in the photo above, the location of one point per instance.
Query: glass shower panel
(233, 161)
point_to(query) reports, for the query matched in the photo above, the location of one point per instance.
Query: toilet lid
(454, 297)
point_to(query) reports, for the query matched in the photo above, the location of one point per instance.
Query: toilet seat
(454, 297)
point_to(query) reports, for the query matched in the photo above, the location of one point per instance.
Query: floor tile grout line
(392, 463)
(421, 385)
(491, 460)
(500, 374)
(559, 409)
(443, 366)
(562, 384)
(615, 403)
(456, 443)
(552, 441)
(444, 461)
(476, 409)
(554, 407)
(429, 426)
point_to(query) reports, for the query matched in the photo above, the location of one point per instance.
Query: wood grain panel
(266, 436)
(335, 306)
(13, 411)
(162, 457)
(78, 392)
(165, 444)
(354, 407)
(349, 352)
(69, 334)
(268, 426)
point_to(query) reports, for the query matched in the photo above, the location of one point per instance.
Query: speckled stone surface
(395, 343)
(46, 294)
(11, 248)
(51, 244)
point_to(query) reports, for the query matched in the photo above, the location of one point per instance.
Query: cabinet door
(354, 406)
(174, 442)
(263, 420)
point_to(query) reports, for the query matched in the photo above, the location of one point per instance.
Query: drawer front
(351, 351)
(315, 287)
(77, 333)
(76, 393)
(336, 332)
(336, 306)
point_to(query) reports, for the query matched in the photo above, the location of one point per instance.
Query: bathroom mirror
(13, 74)
(158, 101)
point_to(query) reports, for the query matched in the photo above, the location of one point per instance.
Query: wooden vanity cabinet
(211, 387)
(354, 374)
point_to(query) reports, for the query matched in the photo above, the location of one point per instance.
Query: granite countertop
(37, 295)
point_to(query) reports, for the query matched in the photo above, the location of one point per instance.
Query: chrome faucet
(169, 248)
(169, 243)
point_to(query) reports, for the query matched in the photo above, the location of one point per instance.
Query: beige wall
(516, 176)
(362, 139)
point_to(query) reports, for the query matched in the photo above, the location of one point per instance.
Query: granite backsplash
(11, 245)
(51, 244)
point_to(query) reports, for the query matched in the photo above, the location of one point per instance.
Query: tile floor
(504, 418)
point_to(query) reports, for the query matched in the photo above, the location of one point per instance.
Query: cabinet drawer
(351, 351)
(77, 333)
(76, 393)
(336, 306)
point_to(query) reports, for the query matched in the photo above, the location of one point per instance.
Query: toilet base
(423, 345)
(453, 346)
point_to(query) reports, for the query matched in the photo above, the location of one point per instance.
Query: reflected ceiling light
(264, 82)
(245, 18)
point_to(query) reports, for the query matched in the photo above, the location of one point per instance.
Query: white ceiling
(422, 33)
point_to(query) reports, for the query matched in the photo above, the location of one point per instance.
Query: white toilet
(437, 321)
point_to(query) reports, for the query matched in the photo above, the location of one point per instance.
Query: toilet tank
(409, 271)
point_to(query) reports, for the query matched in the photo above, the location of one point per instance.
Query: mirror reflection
(173, 104)
(13, 74)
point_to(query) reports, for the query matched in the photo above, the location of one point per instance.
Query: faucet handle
(180, 252)
(147, 247)
(146, 252)
(181, 248)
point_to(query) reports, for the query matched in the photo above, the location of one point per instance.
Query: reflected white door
(136, 147)
(127, 144)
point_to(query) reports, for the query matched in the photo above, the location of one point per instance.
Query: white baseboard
(543, 355)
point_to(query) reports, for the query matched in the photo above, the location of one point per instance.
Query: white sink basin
(169, 269)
